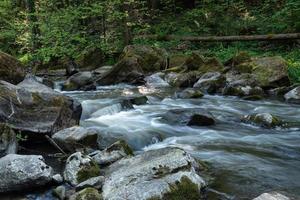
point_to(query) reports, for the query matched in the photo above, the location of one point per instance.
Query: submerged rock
(189, 93)
(140, 100)
(293, 96)
(35, 108)
(272, 196)
(22, 172)
(87, 194)
(266, 120)
(113, 153)
(8, 141)
(76, 138)
(80, 81)
(158, 174)
(11, 70)
(189, 117)
(210, 82)
(80, 168)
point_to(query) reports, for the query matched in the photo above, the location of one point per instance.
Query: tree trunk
(288, 36)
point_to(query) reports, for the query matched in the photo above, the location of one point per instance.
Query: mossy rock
(87, 194)
(11, 70)
(265, 120)
(92, 59)
(184, 189)
(177, 60)
(237, 59)
(88, 171)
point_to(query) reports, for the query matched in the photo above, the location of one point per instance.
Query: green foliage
(294, 71)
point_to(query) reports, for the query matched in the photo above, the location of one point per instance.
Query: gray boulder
(156, 80)
(35, 108)
(293, 96)
(22, 172)
(113, 153)
(158, 174)
(80, 168)
(8, 141)
(211, 82)
(189, 117)
(76, 137)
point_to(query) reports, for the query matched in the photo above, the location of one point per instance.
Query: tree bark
(287, 36)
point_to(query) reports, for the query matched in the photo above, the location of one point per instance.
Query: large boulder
(80, 168)
(134, 63)
(11, 70)
(211, 82)
(156, 81)
(158, 174)
(80, 81)
(197, 62)
(76, 137)
(22, 172)
(293, 96)
(183, 80)
(269, 72)
(151, 59)
(189, 117)
(32, 107)
(8, 141)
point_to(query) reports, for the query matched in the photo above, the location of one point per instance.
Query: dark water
(245, 160)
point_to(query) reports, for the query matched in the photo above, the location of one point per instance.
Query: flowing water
(245, 160)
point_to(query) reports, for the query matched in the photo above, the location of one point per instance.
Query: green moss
(88, 171)
(183, 190)
(88, 194)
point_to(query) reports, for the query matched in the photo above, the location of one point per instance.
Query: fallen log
(287, 36)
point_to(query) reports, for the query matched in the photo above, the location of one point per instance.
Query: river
(244, 160)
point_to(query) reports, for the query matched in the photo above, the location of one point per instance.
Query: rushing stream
(245, 160)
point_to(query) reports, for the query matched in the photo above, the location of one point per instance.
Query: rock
(266, 120)
(272, 196)
(252, 98)
(197, 62)
(156, 80)
(102, 70)
(293, 96)
(8, 141)
(211, 82)
(158, 174)
(34, 108)
(184, 80)
(151, 59)
(189, 93)
(280, 91)
(270, 72)
(80, 168)
(11, 70)
(95, 182)
(22, 172)
(87, 194)
(113, 153)
(80, 81)
(134, 63)
(177, 61)
(58, 179)
(242, 91)
(139, 100)
(189, 117)
(76, 137)
(127, 70)
(60, 192)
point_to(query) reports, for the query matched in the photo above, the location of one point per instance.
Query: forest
(149, 99)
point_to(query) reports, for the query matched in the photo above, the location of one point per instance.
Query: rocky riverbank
(101, 166)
